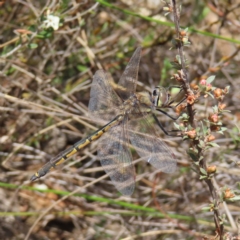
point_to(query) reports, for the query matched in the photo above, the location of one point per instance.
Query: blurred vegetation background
(46, 69)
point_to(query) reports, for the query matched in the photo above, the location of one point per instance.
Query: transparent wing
(104, 102)
(116, 159)
(151, 148)
(129, 77)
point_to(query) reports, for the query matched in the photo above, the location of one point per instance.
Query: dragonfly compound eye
(155, 96)
(159, 96)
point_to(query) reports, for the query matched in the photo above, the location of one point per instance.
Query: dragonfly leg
(169, 105)
(163, 129)
(165, 113)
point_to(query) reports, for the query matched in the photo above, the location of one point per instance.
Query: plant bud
(218, 93)
(211, 169)
(213, 118)
(221, 106)
(191, 134)
(191, 99)
(185, 40)
(183, 33)
(203, 82)
(210, 138)
(215, 128)
(176, 77)
(180, 108)
(166, 9)
(194, 86)
(228, 194)
(208, 87)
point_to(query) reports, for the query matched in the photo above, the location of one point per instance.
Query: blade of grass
(142, 210)
(147, 210)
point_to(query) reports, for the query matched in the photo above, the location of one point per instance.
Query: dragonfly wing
(104, 101)
(151, 148)
(116, 159)
(129, 77)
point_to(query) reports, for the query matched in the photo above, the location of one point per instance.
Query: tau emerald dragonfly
(128, 115)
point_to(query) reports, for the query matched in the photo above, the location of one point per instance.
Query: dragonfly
(129, 125)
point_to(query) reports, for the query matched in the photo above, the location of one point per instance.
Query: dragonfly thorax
(130, 104)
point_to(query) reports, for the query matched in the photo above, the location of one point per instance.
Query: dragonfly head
(160, 97)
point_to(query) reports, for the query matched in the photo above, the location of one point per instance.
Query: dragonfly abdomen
(74, 149)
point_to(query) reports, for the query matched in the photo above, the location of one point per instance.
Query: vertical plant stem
(189, 92)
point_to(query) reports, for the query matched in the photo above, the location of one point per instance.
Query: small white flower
(51, 21)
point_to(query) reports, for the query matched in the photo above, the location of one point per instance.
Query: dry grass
(44, 94)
